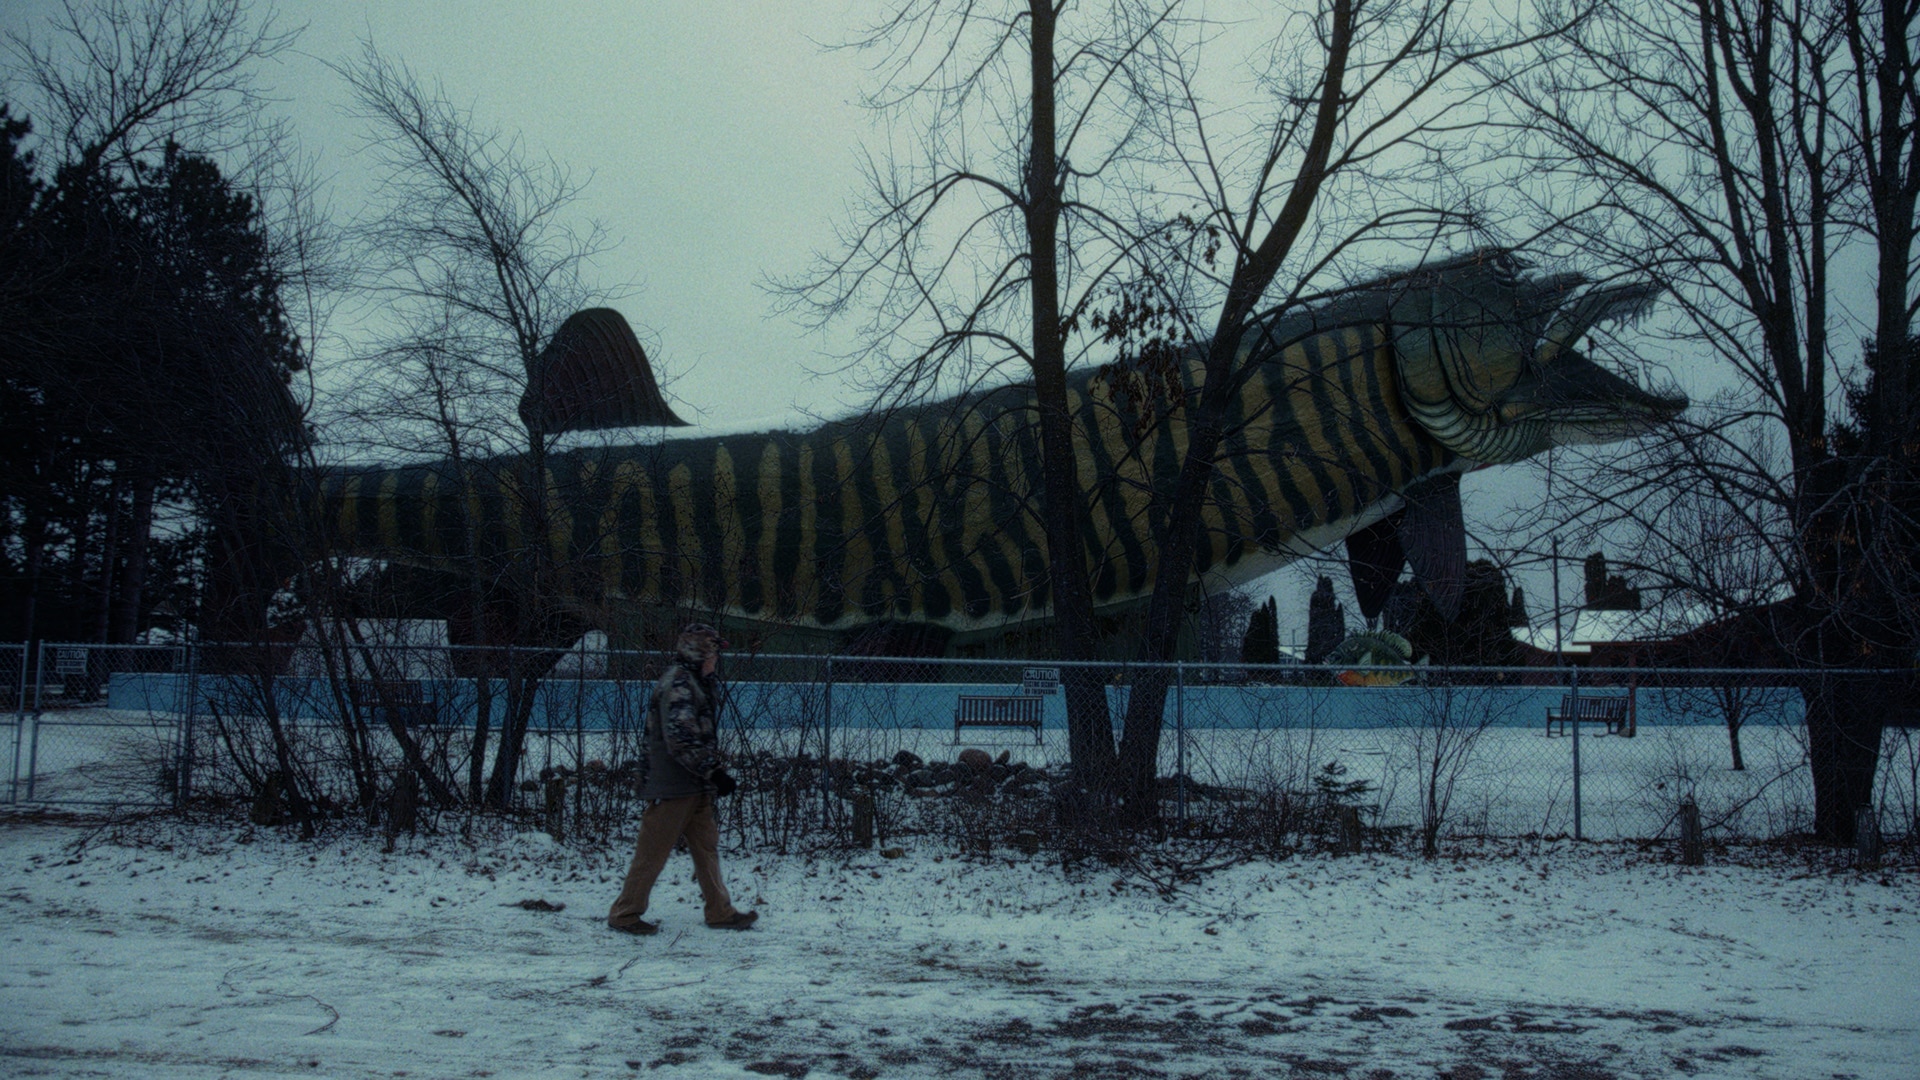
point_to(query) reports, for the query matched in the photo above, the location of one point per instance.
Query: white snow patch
(171, 950)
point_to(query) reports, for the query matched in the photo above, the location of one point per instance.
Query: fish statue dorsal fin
(593, 375)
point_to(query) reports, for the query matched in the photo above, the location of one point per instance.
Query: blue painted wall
(599, 703)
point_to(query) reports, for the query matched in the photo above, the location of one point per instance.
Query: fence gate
(89, 729)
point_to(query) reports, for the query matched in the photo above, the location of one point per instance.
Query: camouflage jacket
(683, 749)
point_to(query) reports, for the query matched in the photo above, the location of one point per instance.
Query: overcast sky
(718, 136)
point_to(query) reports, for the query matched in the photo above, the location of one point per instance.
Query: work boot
(638, 927)
(739, 920)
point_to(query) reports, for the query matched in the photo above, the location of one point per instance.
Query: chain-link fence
(864, 748)
(73, 745)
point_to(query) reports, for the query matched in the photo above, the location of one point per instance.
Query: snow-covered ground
(165, 949)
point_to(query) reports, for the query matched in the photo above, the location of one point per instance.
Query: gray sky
(718, 137)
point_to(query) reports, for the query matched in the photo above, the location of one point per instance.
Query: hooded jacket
(683, 749)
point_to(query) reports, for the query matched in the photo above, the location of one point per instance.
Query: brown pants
(663, 823)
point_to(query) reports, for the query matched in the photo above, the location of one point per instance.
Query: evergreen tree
(1481, 633)
(1262, 643)
(144, 363)
(1326, 622)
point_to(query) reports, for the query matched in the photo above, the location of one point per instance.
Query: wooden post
(1633, 700)
(556, 795)
(1692, 850)
(1352, 838)
(403, 806)
(863, 821)
(1866, 835)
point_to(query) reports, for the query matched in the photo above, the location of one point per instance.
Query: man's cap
(701, 631)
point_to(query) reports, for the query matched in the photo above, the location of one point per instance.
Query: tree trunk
(36, 538)
(1844, 725)
(133, 572)
(521, 690)
(1089, 730)
(482, 722)
(109, 562)
(1179, 533)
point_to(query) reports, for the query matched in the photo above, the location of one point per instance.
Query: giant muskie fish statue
(1355, 421)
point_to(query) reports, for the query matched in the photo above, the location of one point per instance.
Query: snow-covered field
(166, 949)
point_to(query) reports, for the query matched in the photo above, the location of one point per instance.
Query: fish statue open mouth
(915, 532)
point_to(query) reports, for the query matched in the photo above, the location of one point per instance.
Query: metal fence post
(510, 694)
(33, 744)
(580, 734)
(826, 746)
(1180, 738)
(19, 723)
(183, 787)
(1573, 700)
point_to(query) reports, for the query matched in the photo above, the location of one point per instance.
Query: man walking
(686, 771)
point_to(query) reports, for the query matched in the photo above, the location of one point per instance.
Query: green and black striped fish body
(926, 516)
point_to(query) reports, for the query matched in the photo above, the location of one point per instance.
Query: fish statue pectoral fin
(1375, 558)
(1434, 534)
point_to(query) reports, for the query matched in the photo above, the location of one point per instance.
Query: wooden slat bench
(999, 710)
(403, 699)
(1611, 710)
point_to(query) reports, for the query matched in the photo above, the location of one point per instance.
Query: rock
(1005, 756)
(892, 852)
(920, 778)
(974, 759)
(908, 760)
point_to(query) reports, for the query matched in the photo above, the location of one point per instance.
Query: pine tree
(1262, 643)
(1326, 622)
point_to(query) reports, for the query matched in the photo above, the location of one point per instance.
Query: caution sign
(70, 661)
(1040, 680)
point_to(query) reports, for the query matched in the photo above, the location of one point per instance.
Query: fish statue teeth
(914, 532)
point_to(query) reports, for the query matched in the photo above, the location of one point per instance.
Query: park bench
(1612, 710)
(998, 710)
(404, 700)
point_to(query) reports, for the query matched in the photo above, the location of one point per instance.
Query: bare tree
(1735, 151)
(1033, 226)
(1224, 618)
(1439, 726)
(986, 244)
(481, 264)
(1362, 145)
(123, 78)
